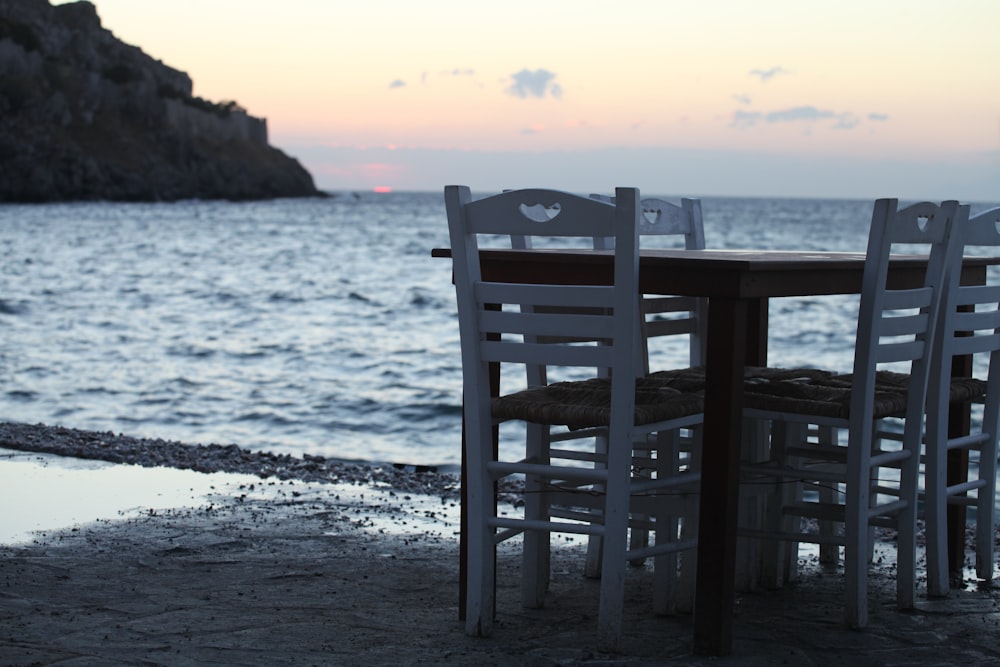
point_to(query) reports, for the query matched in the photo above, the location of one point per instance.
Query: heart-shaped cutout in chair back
(539, 212)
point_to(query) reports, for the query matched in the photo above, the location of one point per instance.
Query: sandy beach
(230, 568)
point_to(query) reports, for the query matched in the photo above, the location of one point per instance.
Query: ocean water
(319, 326)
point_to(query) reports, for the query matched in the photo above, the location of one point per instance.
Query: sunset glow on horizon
(773, 98)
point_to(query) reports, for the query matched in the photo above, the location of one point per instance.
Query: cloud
(742, 99)
(537, 83)
(398, 83)
(746, 118)
(847, 121)
(798, 113)
(460, 72)
(806, 114)
(878, 117)
(768, 74)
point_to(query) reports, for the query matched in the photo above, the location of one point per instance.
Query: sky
(773, 98)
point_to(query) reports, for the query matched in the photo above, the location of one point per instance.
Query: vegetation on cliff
(86, 116)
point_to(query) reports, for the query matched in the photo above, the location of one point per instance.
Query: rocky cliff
(84, 116)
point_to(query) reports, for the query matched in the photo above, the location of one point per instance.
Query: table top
(712, 273)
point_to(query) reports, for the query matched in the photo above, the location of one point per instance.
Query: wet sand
(284, 572)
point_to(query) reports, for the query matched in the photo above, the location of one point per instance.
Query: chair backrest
(500, 322)
(662, 316)
(897, 326)
(972, 318)
(676, 315)
(969, 321)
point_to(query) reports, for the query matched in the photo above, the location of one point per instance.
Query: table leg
(756, 332)
(717, 524)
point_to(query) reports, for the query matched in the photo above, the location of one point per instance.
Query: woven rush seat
(798, 390)
(587, 403)
(693, 379)
(960, 390)
(812, 391)
(824, 396)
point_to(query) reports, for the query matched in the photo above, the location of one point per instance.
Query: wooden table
(738, 285)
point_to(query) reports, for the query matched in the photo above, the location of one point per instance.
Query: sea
(317, 326)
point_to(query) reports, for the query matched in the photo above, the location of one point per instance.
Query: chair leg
(936, 520)
(536, 549)
(615, 540)
(667, 523)
(609, 619)
(595, 546)
(592, 565)
(688, 561)
(481, 587)
(684, 602)
(829, 554)
(751, 570)
(906, 559)
(936, 538)
(644, 464)
(665, 566)
(778, 554)
(856, 548)
(906, 531)
(986, 514)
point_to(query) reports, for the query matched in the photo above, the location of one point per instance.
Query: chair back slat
(904, 299)
(976, 344)
(565, 326)
(889, 353)
(670, 304)
(906, 325)
(979, 320)
(975, 294)
(565, 296)
(671, 327)
(569, 356)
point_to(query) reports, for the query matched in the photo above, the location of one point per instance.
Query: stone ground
(291, 573)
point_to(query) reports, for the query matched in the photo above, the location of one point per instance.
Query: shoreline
(155, 452)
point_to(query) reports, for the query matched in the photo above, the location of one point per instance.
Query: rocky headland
(85, 116)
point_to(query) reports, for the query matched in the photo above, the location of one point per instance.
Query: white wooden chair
(875, 473)
(592, 498)
(671, 225)
(969, 324)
